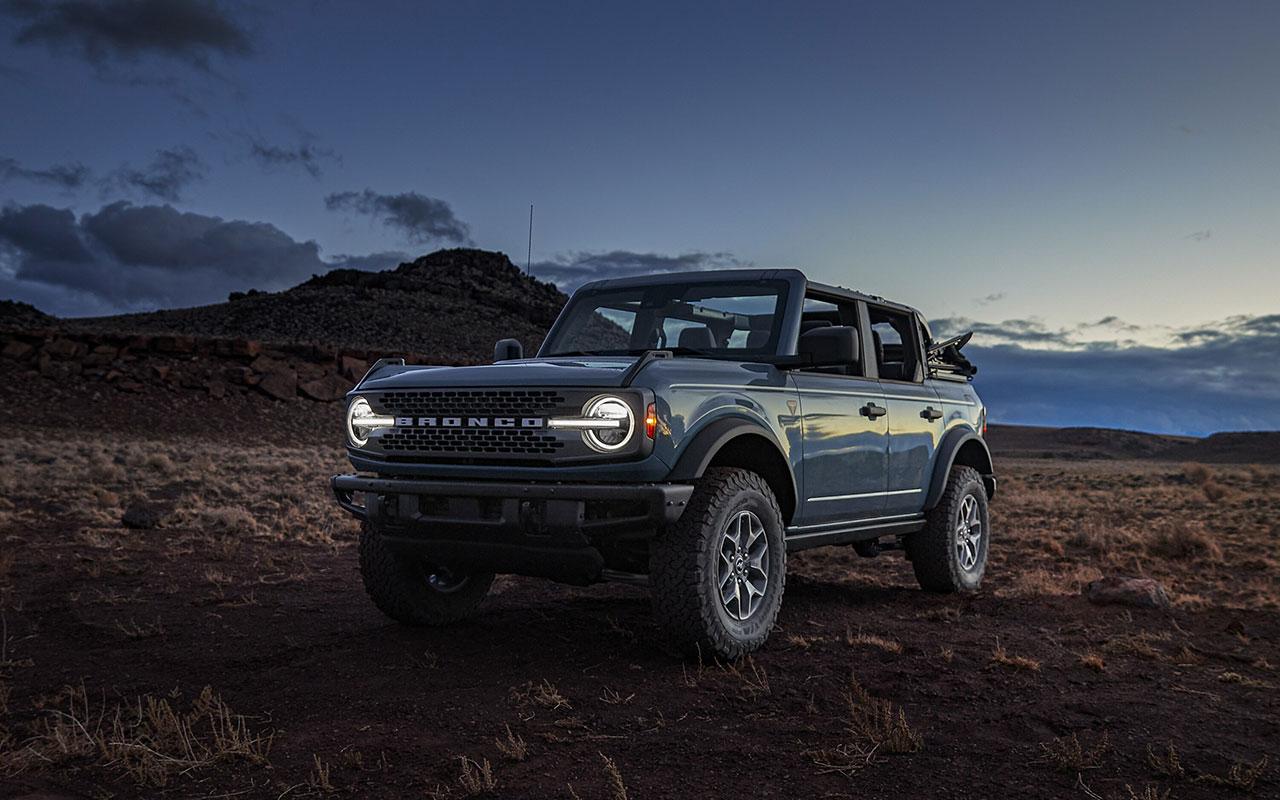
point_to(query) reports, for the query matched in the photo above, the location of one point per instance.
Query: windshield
(731, 319)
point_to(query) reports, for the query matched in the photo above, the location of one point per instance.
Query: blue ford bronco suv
(684, 432)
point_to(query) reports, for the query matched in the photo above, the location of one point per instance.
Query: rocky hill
(450, 306)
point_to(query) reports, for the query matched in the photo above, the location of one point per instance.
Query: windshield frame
(778, 287)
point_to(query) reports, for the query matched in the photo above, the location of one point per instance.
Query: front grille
(473, 402)
(505, 441)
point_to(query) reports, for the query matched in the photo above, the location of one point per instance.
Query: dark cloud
(1224, 376)
(574, 269)
(165, 178)
(43, 233)
(123, 30)
(991, 298)
(132, 257)
(304, 155)
(66, 176)
(1200, 236)
(371, 262)
(420, 218)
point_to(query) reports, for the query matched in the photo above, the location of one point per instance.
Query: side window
(820, 314)
(893, 336)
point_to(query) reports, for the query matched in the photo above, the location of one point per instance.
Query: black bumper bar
(530, 507)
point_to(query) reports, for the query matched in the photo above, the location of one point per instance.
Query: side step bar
(801, 537)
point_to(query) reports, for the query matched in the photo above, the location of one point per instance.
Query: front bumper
(555, 530)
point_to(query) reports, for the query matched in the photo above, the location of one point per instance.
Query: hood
(588, 371)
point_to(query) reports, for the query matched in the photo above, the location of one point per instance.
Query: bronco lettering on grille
(470, 422)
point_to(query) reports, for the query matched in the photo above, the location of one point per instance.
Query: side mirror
(507, 349)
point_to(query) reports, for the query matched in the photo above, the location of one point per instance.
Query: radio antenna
(528, 257)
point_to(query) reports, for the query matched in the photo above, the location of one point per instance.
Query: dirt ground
(230, 651)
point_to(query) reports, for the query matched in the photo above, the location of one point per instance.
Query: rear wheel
(950, 553)
(414, 592)
(718, 574)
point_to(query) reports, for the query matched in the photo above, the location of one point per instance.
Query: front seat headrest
(697, 338)
(832, 345)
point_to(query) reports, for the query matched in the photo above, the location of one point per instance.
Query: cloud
(989, 299)
(573, 269)
(1200, 236)
(371, 262)
(420, 218)
(165, 178)
(65, 176)
(304, 155)
(133, 257)
(1222, 376)
(189, 31)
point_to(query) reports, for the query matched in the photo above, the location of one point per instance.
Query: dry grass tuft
(318, 780)
(135, 630)
(1242, 776)
(878, 723)
(872, 640)
(1215, 492)
(1001, 656)
(1167, 763)
(1069, 754)
(1182, 540)
(874, 727)
(1147, 793)
(148, 739)
(752, 677)
(512, 746)
(543, 694)
(1197, 474)
(476, 777)
(1093, 660)
(616, 784)
(615, 698)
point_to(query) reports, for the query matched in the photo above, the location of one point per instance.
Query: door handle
(930, 413)
(872, 410)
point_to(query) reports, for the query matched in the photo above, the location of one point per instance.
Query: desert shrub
(227, 520)
(1196, 473)
(1181, 540)
(1214, 492)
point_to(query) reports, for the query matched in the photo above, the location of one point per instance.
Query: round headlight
(608, 440)
(361, 421)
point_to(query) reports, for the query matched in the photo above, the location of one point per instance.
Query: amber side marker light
(651, 421)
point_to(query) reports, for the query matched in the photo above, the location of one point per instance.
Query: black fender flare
(948, 448)
(698, 454)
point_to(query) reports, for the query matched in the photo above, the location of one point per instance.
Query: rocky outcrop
(453, 304)
(217, 367)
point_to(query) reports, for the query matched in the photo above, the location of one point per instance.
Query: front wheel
(717, 575)
(414, 592)
(950, 553)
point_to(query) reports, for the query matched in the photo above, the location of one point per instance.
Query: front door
(845, 447)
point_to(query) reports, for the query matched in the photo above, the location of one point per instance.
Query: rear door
(915, 412)
(845, 449)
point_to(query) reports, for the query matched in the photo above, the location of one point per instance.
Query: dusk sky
(1094, 188)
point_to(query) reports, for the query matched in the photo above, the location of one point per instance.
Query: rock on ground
(1138, 592)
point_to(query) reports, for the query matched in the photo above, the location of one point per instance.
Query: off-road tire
(683, 562)
(932, 550)
(399, 586)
